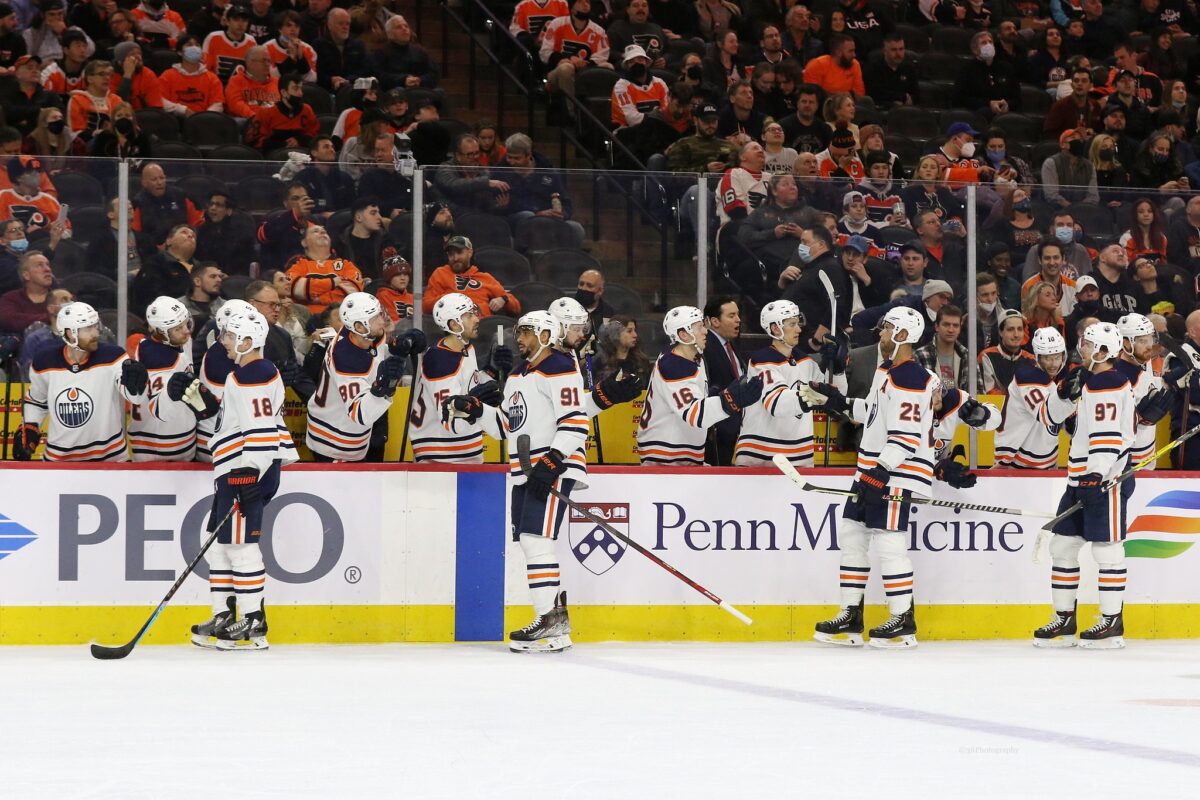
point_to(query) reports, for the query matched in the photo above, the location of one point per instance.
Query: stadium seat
(951, 39)
(907, 149)
(536, 234)
(338, 222)
(98, 291)
(534, 295)
(896, 234)
(199, 187)
(562, 266)
(234, 163)
(912, 121)
(487, 335)
(259, 194)
(234, 287)
(623, 299)
(950, 116)
(484, 229)
(453, 127)
(326, 122)
(319, 98)
(177, 152)
(938, 66)
(652, 340)
(69, 258)
(505, 264)
(595, 82)
(1042, 151)
(161, 59)
(936, 93)
(78, 188)
(156, 122)
(678, 48)
(210, 129)
(1035, 100)
(133, 323)
(1096, 220)
(916, 40)
(1019, 127)
(87, 222)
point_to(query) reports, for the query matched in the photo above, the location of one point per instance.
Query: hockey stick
(7, 404)
(828, 284)
(110, 653)
(415, 360)
(787, 468)
(527, 467)
(1048, 528)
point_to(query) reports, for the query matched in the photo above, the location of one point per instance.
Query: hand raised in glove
(502, 359)
(1156, 405)
(823, 395)
(488, 393)
(545, 472)
(740, 394)
(134, 377)
(834, 354)
(1070, 388)
(1178, 376)
(615, 389)
(388, 376)
(25, 441)
(179, 383)
(410, 343)
(872, 486)
(974, 413)
(462, 406)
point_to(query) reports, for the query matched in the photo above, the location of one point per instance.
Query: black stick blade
(523, 453)
(110, 653)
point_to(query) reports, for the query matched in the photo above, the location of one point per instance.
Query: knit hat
(842, 138)
(122, 51)
(935, 287)
(396, 265)
(19, 165)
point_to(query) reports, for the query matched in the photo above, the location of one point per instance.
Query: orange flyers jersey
(35, 212)
(198, 91)
(631, 103)
(84, 116)
(530, 16)
(223, 56)
(320, 288)
(279, 55)
(561, 37)
(56, 79)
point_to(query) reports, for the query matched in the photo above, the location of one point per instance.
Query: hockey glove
(1156, 405)
(615, 389)
(244, 482)
(178, 384)
(834, 354)
(9, 345)
(741, 393)
(974, 413)
(823, 395)
(872, 486)
(502, 359)
(134, 377)
(545, 472)
(1071, 387)
(410, 343)
(388, 376)
(1090, 488)
(25, 441)
(487, 393)
(1178, 376)
(290, 372)
(461, 406)
(957, 475)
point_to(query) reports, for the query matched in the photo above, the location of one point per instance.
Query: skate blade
(207, 642)
(1058, 642)
(894, 643)
(1111, 643)
(257, 643)
(551, 644)
(841, 639)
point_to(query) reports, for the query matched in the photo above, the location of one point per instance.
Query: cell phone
(63, 210)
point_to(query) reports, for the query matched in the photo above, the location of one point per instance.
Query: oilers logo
(73, 407)
(595, 548)
(518, 412)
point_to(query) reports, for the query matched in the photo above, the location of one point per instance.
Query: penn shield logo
(595, 548)
(517, 412)
(73, 407)
(13, 536)
(1168, 526)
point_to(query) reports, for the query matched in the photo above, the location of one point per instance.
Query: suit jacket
(860, 372)
(723, 436)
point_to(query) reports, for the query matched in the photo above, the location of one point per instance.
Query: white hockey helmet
(539, 322)
(681, 318)
(230, 309)
(164, 314)
(359, 308)
(908, 319)
(71, 318)
(568, 311)
(252, 326)
(1132, 326)
(452, 308)
(775, 312)
(1048, 342)
(1103, 334)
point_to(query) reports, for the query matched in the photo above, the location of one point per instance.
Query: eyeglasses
(275, 305)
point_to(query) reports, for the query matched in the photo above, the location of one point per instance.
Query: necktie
(737, 370)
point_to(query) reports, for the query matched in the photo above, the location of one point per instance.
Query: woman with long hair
(1047, 65)
(1017, 228)
(1111, 174)
(927, 191)
(52, 138)
(1147, 235)
(721, 66)
(839, 109)
(1156, 167)
(617, 348)
(1040, 310)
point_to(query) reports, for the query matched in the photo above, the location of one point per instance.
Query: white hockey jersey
(1105, 416)
(445, 373)
(85, 404)
(777, 424)
(677, 413)
(214, 369)
(162, 429)
(1025, 439)
(897, 419)
(947, 418)
(342, 410)
(1143, 382)
(545, 402)
(250, 430)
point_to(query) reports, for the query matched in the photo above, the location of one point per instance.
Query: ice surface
(947, 720)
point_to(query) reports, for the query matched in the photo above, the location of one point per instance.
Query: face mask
(19, 245)
(56, 127)
(987, 52)
(585, 298)
(1064, 235)
(987, 308)
(694, 72)
(996, 156)
(968, 149)
(1179, 103)
(1077, 148)
(931, 314)
(124, 126)
(579, 15)
(1024, 206)
(1106, 153)
(804, 252)
(1161, 158)
(192, 54)
(638, 73)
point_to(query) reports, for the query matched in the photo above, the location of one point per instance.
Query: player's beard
(887, 348)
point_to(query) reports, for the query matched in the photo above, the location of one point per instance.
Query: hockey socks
(541, 571)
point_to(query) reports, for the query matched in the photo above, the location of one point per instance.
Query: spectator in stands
(617, 349)
(995, 144)
(132, 81)
(20, 308)
(1183, 237)
(1069, 176)
(704, 151)
(102, 249)
(395, 291)
(943, 242)
(43, 35)
(771, 233)
(491, 146)
(1050, 262)
(722, 65)
(798, 35)
(43, 334)
(91, 17)
(927, 191)
(637, 29)
(204, 300)
(986, 85)
(341, 57)
(319, 277)
(159, 209)
(121, 28)
(280, 349)
(124, 138)
(530, 18)
(13, 245)
(839, 71)
(934, 296)
(1101, 33)
(158, 26)
(742, 188)
(891, 79)
(589, 293)
(208, 18)
(637, 92)
(1087, 306)
(252, 86)
(914, 263)
(316, 18)
(839, 111)
(1018, 229)
(362, 241)
(1111, 174)
(189, 87)
(402, 62)
(329, 188)
(1078, 110)
(291, 122)
(804, 130)
(724, 366)
(855, 220)
(167, 272)
(1124, 96)
(780, 160)
(1118, 291)
(987, 309)
(385, 180)
(464, 184)
(535, 187)
(1040, 309)
(1155, 166)
(816, 255)
(293, 317)
(944, 356)
(999, 261)
(650, 139)
(52, 138)
(839, 161)
(573, 43)
(1147, 235)
(24, 200)
(224, 237)
(228, 50)
(66, 74)
(1047, 64)
(24, 98)
(1183, 105)
(282, 231)
(290, 53)
(459, 274)
(998, 362)
(1170, 123)
(1077, 260)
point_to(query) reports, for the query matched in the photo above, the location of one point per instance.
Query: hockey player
(449, 369)
(249, 447)
(1154, 397)
(1102, 401)
(678, 411)
(82, 388)
(544, 399)
(781, 423)
(160, 430)
(895, 462)
(215, 367)
(359, 377)
(579, 342)
(1026, 440)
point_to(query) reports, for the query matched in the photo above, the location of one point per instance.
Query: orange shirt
(56, 79)
(479, 286)
(397, 304)
(244, 95)
(530, 16)
(84, 117)
(321, 290)
(198, 91)
(146, 91)
(631, 103)
(223, 56)
(35, 212)
(47, 186)
(826, 73)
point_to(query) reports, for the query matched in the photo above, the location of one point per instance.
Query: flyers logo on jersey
(518, 412)
(595, 548)
(462, 283)
(73, 407)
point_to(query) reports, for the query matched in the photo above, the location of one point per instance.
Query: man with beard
(460, 275)
(839, 71)
(804, 131)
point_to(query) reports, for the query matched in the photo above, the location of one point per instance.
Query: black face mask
(1106, 153)
(1090, 308)
(579, 16)
(124, 126)
(56, 127)
(695, 72)
(155, 4)
(639, 73)
(585, 298)
(1077, 148)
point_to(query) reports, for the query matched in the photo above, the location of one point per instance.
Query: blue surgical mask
(192, 54)
(19, 245)
(804, 252)
(1064, 235)
(1024, 206)
(996, 156)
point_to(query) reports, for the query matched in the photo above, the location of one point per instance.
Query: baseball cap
(935, 287)
(1115, 107)
(852, 197)
(913, 244)
(1084, 282)
(859, 243)
(1125, 73)
(1069, 132)
(26, 59)
(707, 111)
(960, 127)
(631, 52)
(237, 12)
(459, 242)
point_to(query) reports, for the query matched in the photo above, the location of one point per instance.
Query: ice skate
(248, 633)
(1058, 632)
(1107, 634)
(898, 632)
(205, 633)
(845, 629)
(548, 633)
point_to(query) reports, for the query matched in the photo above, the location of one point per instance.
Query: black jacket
(809, 293)
(162, 274)
(722, 437)
(978, 84)
(888, 86)
(230, 243)
(158, 216)
(395, 62)
(348, 61)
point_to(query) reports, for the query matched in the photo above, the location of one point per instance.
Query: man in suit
(859, 374)
(723, 367)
